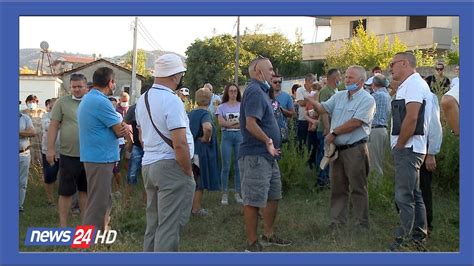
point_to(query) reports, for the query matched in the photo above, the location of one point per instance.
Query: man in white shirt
(409, 147)
(450, 105)
(166, 165)
(301, 94)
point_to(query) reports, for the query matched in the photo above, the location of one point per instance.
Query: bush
(447, 171)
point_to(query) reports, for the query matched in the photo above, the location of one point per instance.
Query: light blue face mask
(352, 87)
(266, 84)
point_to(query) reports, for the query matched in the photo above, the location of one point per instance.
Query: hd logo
(81, 237)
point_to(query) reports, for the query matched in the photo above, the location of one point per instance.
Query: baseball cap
(184, 91)
(330, 154)
(168, 65)
(370, 81)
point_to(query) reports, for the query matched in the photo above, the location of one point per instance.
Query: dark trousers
(302, 132)
(313, 145)
(425, 186)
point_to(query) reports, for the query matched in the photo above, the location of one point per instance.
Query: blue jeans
(25, 159)
(323, 176)
(134, 164)
(230, 139)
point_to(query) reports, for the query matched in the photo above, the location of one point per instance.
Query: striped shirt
(382, 107)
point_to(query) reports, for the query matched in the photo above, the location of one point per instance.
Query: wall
(44, 87)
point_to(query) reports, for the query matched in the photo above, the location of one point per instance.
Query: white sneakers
(225, 199)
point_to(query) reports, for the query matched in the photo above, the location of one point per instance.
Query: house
(45, 87)
(415, 31)
(67, 62)
(123, 76)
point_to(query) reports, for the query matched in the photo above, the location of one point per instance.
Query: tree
(26, 70)
(363, 49)
(141, 62)
(452, 57)
(212, 59)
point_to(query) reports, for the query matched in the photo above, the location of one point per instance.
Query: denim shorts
(260, 179)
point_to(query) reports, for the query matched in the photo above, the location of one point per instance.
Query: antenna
(44, 50)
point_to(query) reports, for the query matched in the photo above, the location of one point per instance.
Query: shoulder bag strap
(167, 140)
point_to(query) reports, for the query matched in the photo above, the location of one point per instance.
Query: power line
(146, 34)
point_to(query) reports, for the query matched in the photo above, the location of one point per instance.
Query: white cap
(168, 65)
(330, 154)
(370, 81)
(184, 91)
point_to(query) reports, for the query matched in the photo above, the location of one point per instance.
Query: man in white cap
(166, 164)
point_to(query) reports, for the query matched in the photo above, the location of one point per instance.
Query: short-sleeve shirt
(324, 95)
(415, 89)
(215, 101)
(230, 113)
(168, 113)
(382, 107)
(130, 119)
(286, 102)
(454, 92)
(25, 123)
(45, 121)
(257, 103)
(96, 116)
(65, 112)
(361, 106)
(301, 93)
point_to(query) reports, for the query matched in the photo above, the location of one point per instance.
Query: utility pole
(236, 78)
(133, 87)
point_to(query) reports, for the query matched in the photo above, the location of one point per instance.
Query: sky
(113, 36)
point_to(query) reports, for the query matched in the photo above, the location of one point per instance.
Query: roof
(105, 61)
(75, 59)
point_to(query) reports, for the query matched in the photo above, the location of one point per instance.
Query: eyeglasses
(277, 82)
(439, 69)
(393, 63)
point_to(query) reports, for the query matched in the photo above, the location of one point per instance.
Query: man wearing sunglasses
(438, 82)
(285, 101)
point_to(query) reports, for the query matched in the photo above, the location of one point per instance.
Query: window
(356, 23)
(126, 88)
(416, 22)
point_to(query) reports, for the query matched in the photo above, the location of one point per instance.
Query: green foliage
(363, 49)
(293, 164)
(447, 170)
(213, 59)
(141, 62)
(427, 57)
(452, 57)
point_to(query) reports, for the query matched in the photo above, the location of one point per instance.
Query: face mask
(75, 98)
(124, 104)
(20, 108)
(265, 82)
(351, 87)
(113, 90)
(31, 106)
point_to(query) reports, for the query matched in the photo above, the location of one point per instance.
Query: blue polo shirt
(256, 103)
(286, 102)
(96, 116)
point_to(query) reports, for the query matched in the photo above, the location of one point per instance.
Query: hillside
(29, 57)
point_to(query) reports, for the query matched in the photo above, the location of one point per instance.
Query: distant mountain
(29, 57)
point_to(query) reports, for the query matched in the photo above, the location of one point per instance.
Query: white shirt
(415, 89)
(454, 82)
(168, 113)
(45, 121)
(301, 92)
(454, 92)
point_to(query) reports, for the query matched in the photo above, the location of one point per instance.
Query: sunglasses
(439, 69)
(277, 82)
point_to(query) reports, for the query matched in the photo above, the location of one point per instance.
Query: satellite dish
(44, 45)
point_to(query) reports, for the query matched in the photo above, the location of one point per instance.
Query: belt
(27, 148)
(344, 147)
(379, 126)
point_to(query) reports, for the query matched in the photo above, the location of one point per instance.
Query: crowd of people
(85, 138)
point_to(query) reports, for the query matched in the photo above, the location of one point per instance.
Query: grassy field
(303, 217)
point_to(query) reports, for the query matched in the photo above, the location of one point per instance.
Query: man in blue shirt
(257, 156)
(99, 128)
(378, 139)
(285, 101)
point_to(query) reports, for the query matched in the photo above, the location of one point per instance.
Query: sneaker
(201, 212)
(255, 247)
(225, 199)
(75, 211)
(238, 198)
(274, 240)
(21, 209)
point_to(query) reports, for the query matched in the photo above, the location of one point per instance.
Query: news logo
(80, 237)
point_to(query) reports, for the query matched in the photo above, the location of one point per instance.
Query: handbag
(398, 115)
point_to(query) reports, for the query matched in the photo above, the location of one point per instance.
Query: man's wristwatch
(333, 133)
